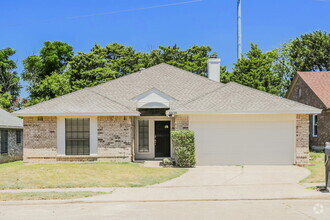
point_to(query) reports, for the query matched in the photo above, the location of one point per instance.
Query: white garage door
(244, 139)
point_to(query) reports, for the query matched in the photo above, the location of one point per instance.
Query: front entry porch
(153, 137)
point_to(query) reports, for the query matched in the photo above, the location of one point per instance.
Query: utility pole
(239, 29)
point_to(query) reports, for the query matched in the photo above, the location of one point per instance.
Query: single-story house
(130, 118)
(313, 88)
(11, 143)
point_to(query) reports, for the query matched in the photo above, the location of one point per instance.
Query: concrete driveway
(239, 175)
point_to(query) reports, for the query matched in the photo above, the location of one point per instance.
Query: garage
(244, 139)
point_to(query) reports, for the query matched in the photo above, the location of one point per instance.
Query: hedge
(183, 142)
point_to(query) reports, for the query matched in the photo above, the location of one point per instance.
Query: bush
(183, 142)
(167, 162)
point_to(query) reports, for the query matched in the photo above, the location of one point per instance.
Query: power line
(112, 12)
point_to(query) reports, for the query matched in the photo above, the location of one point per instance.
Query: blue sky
(25, 25)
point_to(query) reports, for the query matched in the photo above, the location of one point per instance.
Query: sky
(25, 25)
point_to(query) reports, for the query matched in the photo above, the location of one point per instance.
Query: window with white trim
(77, 136)
(314, 125)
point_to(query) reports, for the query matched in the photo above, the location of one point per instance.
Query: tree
(5, 99)
(39, 70)
(56, 71)
(257, 70)
(9, 80)
(52, 86)
(309, 52)
(194, 59)
(103, 64)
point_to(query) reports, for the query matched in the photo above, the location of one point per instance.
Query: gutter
(317, 111)
(78, 114)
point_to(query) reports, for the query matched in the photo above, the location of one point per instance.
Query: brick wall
(15, 150)
(308, 97)
(302, 139)
(39, 139)
(115, 138)
(181, 122)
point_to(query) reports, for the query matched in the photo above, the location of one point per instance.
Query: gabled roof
(319, 82)
(234, 98)
(9, 121)
(188, 92)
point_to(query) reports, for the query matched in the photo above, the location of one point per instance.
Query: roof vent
(213, 69)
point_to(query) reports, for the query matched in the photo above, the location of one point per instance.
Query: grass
(317, 171)
(17, 175)
(47, 195)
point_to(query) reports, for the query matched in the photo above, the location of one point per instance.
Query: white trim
(313, 125)
(151, 153)
(61, 135)
(80, 114)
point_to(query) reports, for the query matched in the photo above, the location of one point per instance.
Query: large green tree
(9, 80)
(102, 64)
(193, 59)
(49, 65)
(56, 71)
(257, 70)
(309, 52)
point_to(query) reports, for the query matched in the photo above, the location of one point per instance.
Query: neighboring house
(313, 88)
(130, 118)
(11, 142)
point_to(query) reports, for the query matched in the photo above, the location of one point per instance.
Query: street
(244, 209)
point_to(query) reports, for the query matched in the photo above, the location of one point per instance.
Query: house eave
(79, 114)
(242, 113)
(10, 127)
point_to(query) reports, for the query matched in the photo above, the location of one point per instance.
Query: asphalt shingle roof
(319, 82)
(9, 121)
(190, 91)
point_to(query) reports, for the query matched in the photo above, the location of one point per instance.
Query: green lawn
(47, 195)
(318, 171)
(17, 175)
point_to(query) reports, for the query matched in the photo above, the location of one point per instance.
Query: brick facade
(308, 97)
(115, 138)
(40, 139)
(181, 122)
(302, 139)
(15, 150)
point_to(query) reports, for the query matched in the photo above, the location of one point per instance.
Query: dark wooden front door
(162, 138)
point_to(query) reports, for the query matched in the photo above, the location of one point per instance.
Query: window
(299, 92)
(18, 136)
(143, 135)
(314, 125)
(4, 141)
(77, 136)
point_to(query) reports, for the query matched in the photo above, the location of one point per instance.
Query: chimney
(213, 69)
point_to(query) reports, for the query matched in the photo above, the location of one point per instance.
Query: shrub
(167, 162)
(183, 142)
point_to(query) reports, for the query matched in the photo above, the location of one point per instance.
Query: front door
(162, 138)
